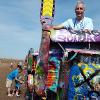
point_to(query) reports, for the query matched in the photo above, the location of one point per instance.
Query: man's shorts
(8, 83)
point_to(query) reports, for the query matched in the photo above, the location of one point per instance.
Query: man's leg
(8, 85)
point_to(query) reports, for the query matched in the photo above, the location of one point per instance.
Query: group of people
(16, 76)
(20, 74)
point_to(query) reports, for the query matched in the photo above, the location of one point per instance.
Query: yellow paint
(47, 8)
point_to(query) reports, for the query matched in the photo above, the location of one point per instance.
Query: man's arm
(58, 27)
(64, 25)
(18, 80)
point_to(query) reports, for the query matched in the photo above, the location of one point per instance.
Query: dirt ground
(4, 70)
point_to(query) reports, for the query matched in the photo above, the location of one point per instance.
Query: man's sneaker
(17, 95)
(13, 93)
(44, 98)
(10, 95)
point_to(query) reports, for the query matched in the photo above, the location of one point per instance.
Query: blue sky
(20, 27)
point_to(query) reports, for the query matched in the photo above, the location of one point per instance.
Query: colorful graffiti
(64, 35)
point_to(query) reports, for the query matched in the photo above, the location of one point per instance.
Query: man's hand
(47, 27)
(86, 31)
(21, 82)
